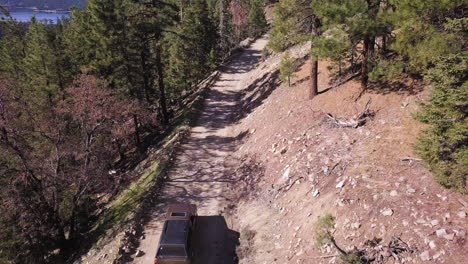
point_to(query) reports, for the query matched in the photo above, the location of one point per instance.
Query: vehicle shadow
(213, 242)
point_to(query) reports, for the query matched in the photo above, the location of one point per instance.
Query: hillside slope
(369, 178)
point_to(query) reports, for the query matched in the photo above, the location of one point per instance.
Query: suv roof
(175, 232)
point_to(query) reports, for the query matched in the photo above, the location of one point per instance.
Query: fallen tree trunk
(358, 120)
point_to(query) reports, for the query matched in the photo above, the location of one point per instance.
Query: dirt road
(200, 174)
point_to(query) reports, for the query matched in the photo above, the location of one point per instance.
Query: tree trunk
(316, 24)
(338, 247)
(145, 71)
(365, 66)
(162, 90)
(313, 77)
(371, 46)
(384, 44)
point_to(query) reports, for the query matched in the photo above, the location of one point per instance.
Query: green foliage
(285, 30)
(444, 146)
(386, 70)
(46, 66)
(288, 66)
(323, 229)
(351, 258)
(257, 18)
(195, 42)
(426, 31)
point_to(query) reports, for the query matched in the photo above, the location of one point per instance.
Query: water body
(25, 15)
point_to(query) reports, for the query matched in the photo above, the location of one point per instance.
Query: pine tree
(362, 21)
(46, 66)
(12, 49)
(287, 68)
(225, 29)
(296, 22)
(191, 49)
(444, 146)
(257, 18)
(422, 34)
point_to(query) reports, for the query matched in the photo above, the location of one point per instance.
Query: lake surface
(25, 15)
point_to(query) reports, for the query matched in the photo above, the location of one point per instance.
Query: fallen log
(358, 120)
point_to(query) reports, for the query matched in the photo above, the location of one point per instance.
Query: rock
(410, 190)
(432, 244)
(283, 150)
(447, 216)
(340, 184)
(387, 212)
(285, 176)
(441, 232)
(393, 193)
(461, 214)
(421, 221)
(425, 256)
(355, 225)
(434, 222)
(316, 193)
(253, 131)
(139, 253)
(450, 236)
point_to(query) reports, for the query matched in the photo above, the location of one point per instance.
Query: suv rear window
(172, 251)
(178, 214)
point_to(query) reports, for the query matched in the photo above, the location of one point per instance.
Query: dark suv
(175, 242)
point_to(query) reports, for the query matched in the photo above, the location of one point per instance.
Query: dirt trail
(200, 174)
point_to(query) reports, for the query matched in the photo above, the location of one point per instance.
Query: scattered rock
(316, 193)
(283, 150)
(425, 256)
(461, 214)
(340, 184)
(447, 216)
(441, 232)
(387, 212)
(450, 236)
(285, 176)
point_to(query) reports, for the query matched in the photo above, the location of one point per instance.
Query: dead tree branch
(357, 121)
